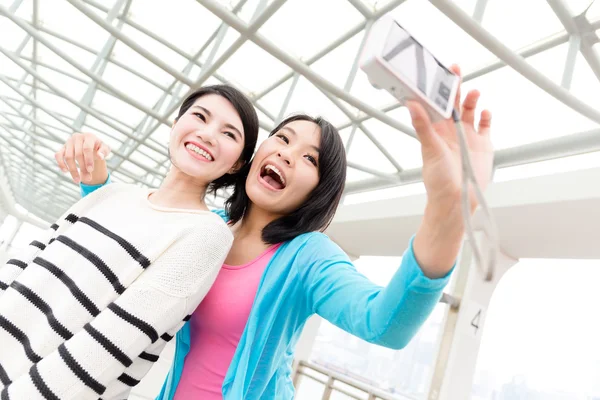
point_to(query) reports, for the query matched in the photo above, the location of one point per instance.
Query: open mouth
(198, 151)
(273, 177)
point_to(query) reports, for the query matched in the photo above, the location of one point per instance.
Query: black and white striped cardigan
(87, 309)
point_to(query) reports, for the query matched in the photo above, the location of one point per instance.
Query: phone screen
(418, 66)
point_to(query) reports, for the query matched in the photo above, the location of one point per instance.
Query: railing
(336, 382)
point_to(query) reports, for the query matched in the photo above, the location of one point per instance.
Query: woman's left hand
(442, 165)
(440, 235)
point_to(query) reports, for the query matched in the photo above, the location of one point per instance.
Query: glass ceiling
(120, 68)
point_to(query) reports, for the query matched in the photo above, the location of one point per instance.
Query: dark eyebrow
(226, 125)
(203, 109)
(287, 128)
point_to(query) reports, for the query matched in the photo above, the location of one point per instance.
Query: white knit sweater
(88, 308)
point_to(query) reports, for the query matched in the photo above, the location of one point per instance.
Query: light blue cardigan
(307, 275)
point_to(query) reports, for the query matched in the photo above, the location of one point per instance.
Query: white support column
(459, 348)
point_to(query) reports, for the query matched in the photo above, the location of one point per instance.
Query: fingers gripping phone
(395, 61)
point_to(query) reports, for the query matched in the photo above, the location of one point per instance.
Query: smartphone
(395, 61)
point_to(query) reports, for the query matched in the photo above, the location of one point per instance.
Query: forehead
(219, 107)
(306, 131)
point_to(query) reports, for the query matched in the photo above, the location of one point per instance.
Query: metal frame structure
(30, 131)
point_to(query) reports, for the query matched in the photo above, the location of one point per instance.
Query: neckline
(270, 249)
(172, 209)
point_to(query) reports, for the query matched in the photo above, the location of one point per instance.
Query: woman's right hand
(88, 152)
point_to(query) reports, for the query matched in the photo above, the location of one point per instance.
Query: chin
(261, 199)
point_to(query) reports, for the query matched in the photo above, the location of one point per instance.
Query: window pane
(541, 335)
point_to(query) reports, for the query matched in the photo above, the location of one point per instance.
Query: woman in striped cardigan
(87, 308)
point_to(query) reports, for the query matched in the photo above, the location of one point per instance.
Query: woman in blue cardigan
(290, 195)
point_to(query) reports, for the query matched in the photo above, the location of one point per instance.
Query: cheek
(307, 182)
(180, 130)
(230, 151)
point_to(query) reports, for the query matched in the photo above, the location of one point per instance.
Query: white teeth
(199, 151)
(274, 169)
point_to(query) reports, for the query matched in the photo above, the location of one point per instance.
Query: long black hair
(249, 118)
(316, 213)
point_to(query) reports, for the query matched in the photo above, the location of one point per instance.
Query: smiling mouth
(197, 150)
(273, 177)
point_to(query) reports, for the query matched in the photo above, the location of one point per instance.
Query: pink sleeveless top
(217, 326)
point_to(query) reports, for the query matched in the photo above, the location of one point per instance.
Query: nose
(285, 157)
(208, 135)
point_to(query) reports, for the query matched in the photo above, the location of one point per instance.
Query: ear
(236, 167)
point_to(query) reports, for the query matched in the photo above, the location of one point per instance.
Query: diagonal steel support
(211, 69)
(579, 26)
(479, 11)
(564, 146)
(118, 93)
(298, 65)
(54, 88)
(574, 44)
(362, 8)
(366, 131)
(101, 62)
(68, 124)
(466, 23)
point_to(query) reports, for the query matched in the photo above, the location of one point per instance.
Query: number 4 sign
(474, 319)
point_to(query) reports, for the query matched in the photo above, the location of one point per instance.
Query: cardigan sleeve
(388, 316)
(84, 189)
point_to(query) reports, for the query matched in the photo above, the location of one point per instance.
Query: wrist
(439, 239)
(442, 223)
(99, 175)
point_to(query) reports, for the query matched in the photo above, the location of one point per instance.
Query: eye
(283, 137)
(201, 116)
(312, 159)
(231, 135)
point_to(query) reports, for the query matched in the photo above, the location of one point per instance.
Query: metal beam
(41, 181)
(7, 199)
(466, 23)
(130, 42)
(362, 8)
(311, 60)
(207, 71)
(366, 131)
(69, 125)
(71, 100)
(564, 146)
(193, 60)
(581, 27)
(298, 65)
(48, 167)
(574, 43)
(527, 51)
(87, 49)
(100, 88)
(479, 11)
(118, 93)
(103, 114)
(101, 62)
(334, 45)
